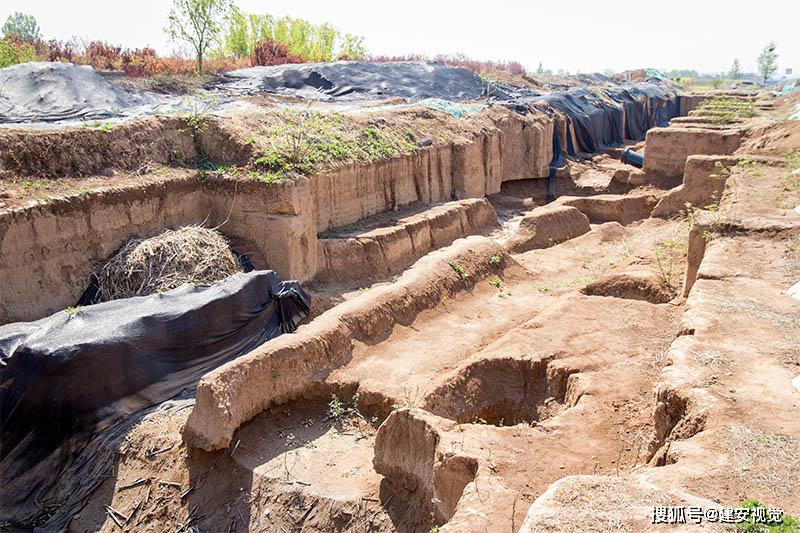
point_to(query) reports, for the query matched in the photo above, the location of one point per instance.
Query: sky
(577, 36)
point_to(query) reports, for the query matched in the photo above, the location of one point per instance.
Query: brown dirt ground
(594, 372)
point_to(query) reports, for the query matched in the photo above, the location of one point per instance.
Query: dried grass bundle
(191, 254)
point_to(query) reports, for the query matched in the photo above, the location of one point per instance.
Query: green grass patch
(306, 142)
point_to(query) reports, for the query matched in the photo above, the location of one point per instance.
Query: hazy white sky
(576, 35)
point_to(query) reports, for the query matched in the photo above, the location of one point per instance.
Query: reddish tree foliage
(60, 51)
(268, 53)
(103, 56)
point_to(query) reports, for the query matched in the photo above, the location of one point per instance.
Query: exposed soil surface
(567, 370)
(521, 362)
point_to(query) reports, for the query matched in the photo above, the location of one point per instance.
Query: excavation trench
(422, 337)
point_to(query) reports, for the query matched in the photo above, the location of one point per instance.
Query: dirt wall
(667, 149)
(385, 250)
(47, 252)
(622, 208)
(96, 148)
(516, 148)
(702, 185)
(690, 102)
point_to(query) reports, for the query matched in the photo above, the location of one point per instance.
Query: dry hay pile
(191, 254)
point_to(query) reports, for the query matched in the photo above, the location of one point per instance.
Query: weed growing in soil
(669, 256)
(726, 110)
(495, 260)
(409, 399)
(266, 177)
(105, 127)
(462, 272)
(336, 409)
(198, 114)
(73, 311)
(305, 141)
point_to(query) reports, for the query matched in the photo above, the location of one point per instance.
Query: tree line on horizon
(223, 37)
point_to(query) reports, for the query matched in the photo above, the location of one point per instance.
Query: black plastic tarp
(48, 92)
(412, 80)
(71, 374)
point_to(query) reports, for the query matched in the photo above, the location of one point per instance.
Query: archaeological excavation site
(396, 296)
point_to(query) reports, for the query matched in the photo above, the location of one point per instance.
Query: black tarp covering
(624, 112)
(352, 80)
(68, 376)
(603, 115)
(597, 123)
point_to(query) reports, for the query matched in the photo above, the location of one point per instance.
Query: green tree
(23, 26)
(352, 47)
(12, 53)
(197, 22)
(768, 61)
(238, 39)
(736, 70)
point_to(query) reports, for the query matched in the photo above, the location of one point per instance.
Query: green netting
(457, 109)
(788, 88)
(653, 73)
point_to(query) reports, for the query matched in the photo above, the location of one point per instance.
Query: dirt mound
(547, 226)
(636, 284)
(773, 138)
(412, 80)
(191, 254)
(46, 92)
(622, 208)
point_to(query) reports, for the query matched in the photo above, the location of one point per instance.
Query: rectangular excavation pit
(502, 391)
(286, 367)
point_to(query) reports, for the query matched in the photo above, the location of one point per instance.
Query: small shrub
(74, 311)
(268, 53)
(668, 257)
(336, 409)
(409, 399)
(462, 272)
